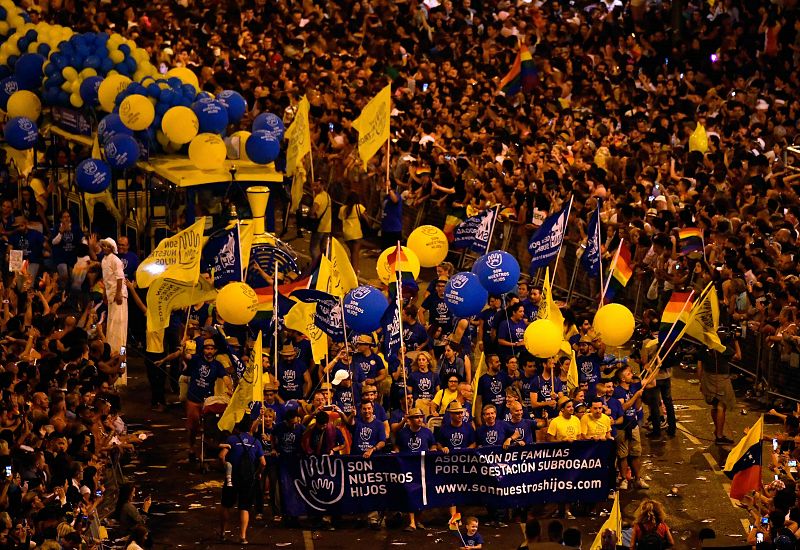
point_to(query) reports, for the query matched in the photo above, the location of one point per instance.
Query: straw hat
(455, 407)
(563, 401)
(288, 349)
(415, 412)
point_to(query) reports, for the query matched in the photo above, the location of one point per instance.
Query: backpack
(650, 541)
(245, 473)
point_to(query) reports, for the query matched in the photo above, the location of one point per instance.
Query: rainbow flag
(690, 240)
(743, 465)
(621, 274)
(400, 267)
(454, 522)
(676, 313)
(523, 74)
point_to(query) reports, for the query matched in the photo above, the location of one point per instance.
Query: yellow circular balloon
(87, 72)
(180, 125)
(236, 143)
(430, 245)
(116, 56)
(24, 103)
(615, 324)
(543, 338)
(207, 151)
(136, 112)
(186, 76)
(69, 73)
(76, 100)
(411, 265)
(111, 86)
(237, 303)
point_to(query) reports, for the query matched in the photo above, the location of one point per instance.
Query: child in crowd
(471, 539)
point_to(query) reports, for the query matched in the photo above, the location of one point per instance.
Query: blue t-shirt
(130, 262)
(531, 309)
(511, 331)
(453, 437)
(438, 312)
(470, 540)
(526, 387)
(526, 430)
(448, 369)
(65, 252)
(544, 392)
(240, 444)
(488, 316)
(414, 336)
(287, 440)
(414, 442)
(347, 399)
(290, 379)
(616, 412)
(492, 389)
(392, 214)
(632, 414)
(589, 369)
(366, 366)
(399, 383)
(202, 376)
(423, 384)
(487, 436)
(31, 243)
(367, 434)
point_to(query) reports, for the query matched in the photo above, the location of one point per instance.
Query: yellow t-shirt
(351, 225)
(443, 398)
(591, 428)
(562, 429)
(322, 201)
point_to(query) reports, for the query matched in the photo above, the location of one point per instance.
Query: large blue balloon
(21, 133)
(110, 126)
(464, 294)
(122, 151)
(234, 102)
(269, 121)
(89, 89)
(212, 116)
(8, 86)
(93, 176)
(262, 147)
(29, 70)
(363, 309)
(498, 271)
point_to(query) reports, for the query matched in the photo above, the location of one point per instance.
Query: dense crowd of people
(619, 88)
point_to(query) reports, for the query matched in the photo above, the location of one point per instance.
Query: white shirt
(112, 272)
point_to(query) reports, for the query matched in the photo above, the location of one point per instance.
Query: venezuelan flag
(523, 74)
(690, 240)
(743, 465)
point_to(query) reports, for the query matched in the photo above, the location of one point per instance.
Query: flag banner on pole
(548, 309)
(523, 74)
(619, 276)
(474, 233)
(545, 244)
(343, 277)
(301, 319)
(703, 320)
(390, 323)
(590, 261)
(673, 315)
(299, 136)
(612, 523)
(223, 254)
(743, 465)
(328, 315)
(690, 241)
(176, 257)
(167, 295)
(243, 396)
(373, 124)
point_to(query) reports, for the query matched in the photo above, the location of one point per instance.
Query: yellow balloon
(207, 151)
(543, 338)
(430, 245)
(186, 76)
(13, 50)
(87, 72)
(384, 270)
(615, 324)
(180, 125)
(116, 56)
(32, 47)
(76, 85)
(136, 112)
(698, 141)
(237, 303)
(69, 73)
(4, 28)
(110, 88)
(24, 103)
(236, 143)
(76, 100)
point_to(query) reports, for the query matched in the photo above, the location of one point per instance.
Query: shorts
(718, 389)
(629, 446)
(193, 412)
(240, 497)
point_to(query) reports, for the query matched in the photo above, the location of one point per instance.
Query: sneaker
(641, 484)
(500, 524)
(569, 515)
(623, 485)
(723, 440)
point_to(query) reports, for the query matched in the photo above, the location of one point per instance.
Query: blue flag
(222, 256)
(390, 323)
(474, 233)
(546, 242)
(329, 317)
(590, 261)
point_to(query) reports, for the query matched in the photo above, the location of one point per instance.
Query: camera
(8, 471)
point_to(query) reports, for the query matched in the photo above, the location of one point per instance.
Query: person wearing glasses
(203, 371)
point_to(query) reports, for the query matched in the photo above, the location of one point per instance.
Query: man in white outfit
(117, 295)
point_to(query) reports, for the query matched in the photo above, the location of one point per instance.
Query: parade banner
(580, 471)
(176, 257)
(474, 233)
(546, 242)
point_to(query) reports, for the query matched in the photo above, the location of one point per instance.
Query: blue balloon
(464, 294)
(89, 89)
(32, 35)
(66, 48)
(43, 49)
(262, 147)
(122, 151)
(498, 271)
(106, 65)
(154, 90)
(212, 116)
(187, 90)
(3, 14)
(5, 72)
(92, 62)
(174, 82)
(8, 86)
(124, 48)
(234, 103)
(12, 60)
(363, 309)
(23, 44)
(50, 96)
(110, 126)
(29, 70)
(269, 121)
(21, 133)
(93, 176)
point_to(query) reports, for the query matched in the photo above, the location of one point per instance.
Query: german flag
(523, 74)
(690, 240)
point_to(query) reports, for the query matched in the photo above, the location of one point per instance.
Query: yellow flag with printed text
(299, 136)
(301, 319)
(167, 295)
(245, 393)
(373, 124)
(343, 276)
(176, 257)
(703, 320)
(613, 523)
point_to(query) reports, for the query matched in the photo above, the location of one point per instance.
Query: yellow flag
(703, 320)
(298, 182)
(166, 295)
(373, 124)
(246, 233)
(258, 377)
(572, 373)
(343, 276)
(614, 523)
(245, 392)
(301, 319)
(299, 136)
(480, 370)
(176, 257)
(698, 141)
(547, 307)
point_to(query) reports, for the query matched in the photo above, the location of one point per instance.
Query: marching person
(117, 296)
(414, 438)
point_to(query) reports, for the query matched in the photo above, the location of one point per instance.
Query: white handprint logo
(321, 482)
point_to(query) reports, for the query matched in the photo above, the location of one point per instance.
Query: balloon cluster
(12, 17)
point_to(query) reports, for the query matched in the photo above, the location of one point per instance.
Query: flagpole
(558, 256)
(399, 299)
(599, 251)
(346, 346)
(611, 271)
(242, 266)
(491, 231)
(388, 157)
(702, 297)
(275, 311)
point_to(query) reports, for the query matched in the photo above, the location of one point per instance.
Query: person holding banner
(392, 218)
(492, 386)
(629, 440)
(511, 332)
(414, 438)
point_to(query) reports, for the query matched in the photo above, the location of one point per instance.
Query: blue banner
(546, 242)
(475, 232)
(590, 261)
(582, 471)
(390, 323)
(222, 256)
(329, 316)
